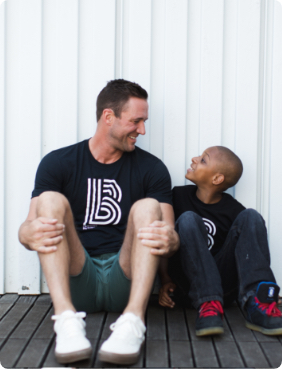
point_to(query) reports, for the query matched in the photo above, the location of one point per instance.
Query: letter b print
(103, 198)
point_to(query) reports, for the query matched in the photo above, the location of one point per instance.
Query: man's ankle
(136, 312)
(60, 309)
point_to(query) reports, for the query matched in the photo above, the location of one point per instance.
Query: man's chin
(130, 148)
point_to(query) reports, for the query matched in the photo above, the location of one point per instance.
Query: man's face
(203, 167)
(125, 130)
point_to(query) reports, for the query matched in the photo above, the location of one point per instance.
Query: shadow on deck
(27, 338)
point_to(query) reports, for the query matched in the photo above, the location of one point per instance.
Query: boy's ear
(218, 178)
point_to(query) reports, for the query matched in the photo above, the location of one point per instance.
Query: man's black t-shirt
(218, 217)
(101, 195)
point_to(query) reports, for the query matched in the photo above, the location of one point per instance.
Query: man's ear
(108, 116)
(218, 178)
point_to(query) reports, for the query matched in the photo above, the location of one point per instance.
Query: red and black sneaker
(263, 314)
(209, 319)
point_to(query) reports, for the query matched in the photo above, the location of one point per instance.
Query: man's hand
(164, 299)
(41, 234)
(161, 237)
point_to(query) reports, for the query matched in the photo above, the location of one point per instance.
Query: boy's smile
(203, 167)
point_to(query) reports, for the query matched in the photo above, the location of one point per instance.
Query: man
(100, 219)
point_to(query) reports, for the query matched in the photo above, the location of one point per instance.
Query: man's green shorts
(101, 285)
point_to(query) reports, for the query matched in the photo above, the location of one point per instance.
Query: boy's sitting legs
(195, 281)
(258, 291)
(244, 257)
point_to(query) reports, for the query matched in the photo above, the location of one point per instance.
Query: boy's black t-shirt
(218, 217)
(101, 195)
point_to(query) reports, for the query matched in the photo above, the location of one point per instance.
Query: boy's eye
(203, 160)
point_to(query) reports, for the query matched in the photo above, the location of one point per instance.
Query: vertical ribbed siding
(2, 147)
(212, 70)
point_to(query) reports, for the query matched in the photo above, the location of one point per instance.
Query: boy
(223, 251)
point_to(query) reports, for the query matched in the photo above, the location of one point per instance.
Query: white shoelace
(70, 325)
(126, 324)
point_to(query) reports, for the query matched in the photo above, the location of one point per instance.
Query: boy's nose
(194, 160)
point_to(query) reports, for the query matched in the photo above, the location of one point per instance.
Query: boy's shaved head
(229, 165)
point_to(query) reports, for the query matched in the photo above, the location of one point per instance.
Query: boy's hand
(165, 291)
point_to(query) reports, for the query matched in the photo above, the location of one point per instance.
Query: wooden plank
(30, 322)
(45, 329)
(229, 355)
(181, 354)
(156, 354)
(9, 298)
(176, 324)
(34, 353)
(111, 318)
(11, 320)
(4, 308)
(273, 352)
(25, 329)
(39, 345)
(11, 351)
(237, 322)
(204, 354)
(94, 324)
(29, 300)
(191, 315)
(44, 299)
(253, 354)
(50, 359)
(156, 323)
(227, 336)
(264, 338)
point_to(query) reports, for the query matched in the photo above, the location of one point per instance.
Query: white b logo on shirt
(103, 198)
(211, 229)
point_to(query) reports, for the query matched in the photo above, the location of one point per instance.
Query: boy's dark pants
(236, 269)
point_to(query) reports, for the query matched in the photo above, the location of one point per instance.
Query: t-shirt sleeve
(49, 175)
(159, 184)
(175, 203)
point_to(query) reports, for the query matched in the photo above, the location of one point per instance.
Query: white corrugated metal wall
(213, 70)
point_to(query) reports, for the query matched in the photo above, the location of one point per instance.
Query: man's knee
(146, 209)
(52, 202)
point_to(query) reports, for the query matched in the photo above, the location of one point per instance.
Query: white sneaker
(71, 343)
(124, 344)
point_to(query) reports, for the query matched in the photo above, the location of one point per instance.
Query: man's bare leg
(137, 262)
(136, 259)
(69, 257)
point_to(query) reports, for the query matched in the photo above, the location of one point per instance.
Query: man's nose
(141, 128)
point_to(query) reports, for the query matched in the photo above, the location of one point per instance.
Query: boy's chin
(190, 179)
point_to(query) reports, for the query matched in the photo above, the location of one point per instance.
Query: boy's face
(203, 167)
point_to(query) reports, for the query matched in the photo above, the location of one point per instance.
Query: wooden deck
(27, 338)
